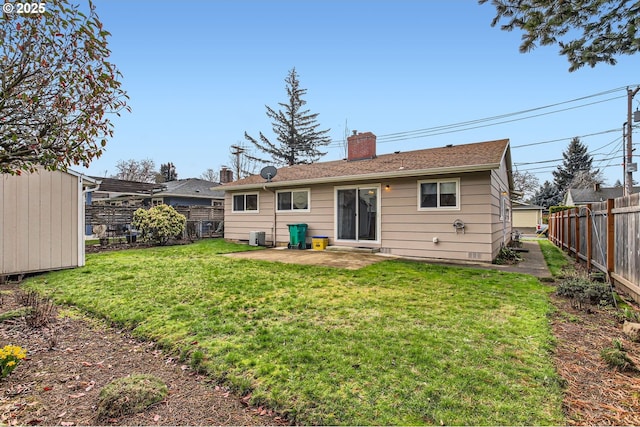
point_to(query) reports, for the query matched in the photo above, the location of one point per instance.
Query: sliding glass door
(357, 213)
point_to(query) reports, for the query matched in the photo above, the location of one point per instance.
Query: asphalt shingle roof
(191, 187)
(453, 158)
(590, 195)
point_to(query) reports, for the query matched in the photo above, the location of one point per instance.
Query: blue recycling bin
(297, 236)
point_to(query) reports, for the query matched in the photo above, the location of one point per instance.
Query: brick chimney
(226, 175)
(361, 146)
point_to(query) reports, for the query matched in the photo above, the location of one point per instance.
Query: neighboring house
(189, 192)
(182, 192)
(595, 194)
(526, 215)
(42, 221)
(119, 192)
(450, 202)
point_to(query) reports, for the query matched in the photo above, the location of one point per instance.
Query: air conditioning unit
(256, 238)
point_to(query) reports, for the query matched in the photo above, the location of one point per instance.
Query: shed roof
(431, 161)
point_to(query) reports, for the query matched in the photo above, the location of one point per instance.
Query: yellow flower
(11, 363)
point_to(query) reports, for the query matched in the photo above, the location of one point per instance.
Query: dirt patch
(348, 260)
(71, 360)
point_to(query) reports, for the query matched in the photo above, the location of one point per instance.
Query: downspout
(274, 225)
(82, 196)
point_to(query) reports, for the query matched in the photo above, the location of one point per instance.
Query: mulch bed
(595, 394)
(70, 360)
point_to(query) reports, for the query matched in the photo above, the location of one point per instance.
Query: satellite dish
(268, 173)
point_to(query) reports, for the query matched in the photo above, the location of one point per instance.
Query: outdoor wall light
(387, 187)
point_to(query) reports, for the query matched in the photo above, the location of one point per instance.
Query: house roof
(591, 195)
(522, 206)
(191, 187)
(113, 185)
(479, 156)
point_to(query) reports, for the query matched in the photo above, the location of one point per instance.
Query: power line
(467, 125)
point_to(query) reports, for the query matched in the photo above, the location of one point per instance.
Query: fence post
(589, 231)
(576, 213)
(611, 235)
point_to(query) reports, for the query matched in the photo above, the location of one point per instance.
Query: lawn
(557, 261)
(397, 342)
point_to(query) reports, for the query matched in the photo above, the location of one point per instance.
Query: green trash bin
(297, 236)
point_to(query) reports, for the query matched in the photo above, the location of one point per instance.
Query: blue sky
(199, 74)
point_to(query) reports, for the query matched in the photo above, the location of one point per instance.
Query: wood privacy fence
(606, 236)
(201, 220)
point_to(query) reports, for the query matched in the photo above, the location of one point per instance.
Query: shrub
(616, 357)
(130, 395)
(507, 256)
(10, 356)
(159, 224)
(584, 291)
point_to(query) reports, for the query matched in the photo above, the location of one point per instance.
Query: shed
(42, 221)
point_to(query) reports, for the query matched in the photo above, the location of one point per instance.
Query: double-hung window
(293, 200)
(247, 202)
(439, 194)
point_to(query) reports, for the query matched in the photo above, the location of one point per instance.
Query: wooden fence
(201, 220)
(606, 236)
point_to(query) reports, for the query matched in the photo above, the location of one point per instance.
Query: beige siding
(526, 218)
(405, 230)
(39, 222)
(501, 233)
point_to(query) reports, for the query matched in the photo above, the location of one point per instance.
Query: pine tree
(167, 173)
(547, 195)
(576, 170)
(295, 129)
(588, 32)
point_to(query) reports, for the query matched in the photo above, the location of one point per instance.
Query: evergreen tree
(576, 170)
(609, 27)
(167, 173)
(547, 195)
(295, 129)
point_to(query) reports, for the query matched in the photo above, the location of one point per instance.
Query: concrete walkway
(533, 262)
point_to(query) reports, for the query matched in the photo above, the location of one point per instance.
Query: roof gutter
(365, 177)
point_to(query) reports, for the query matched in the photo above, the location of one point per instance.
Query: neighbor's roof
(521, 206)
(191, 187)
(590, 195)
(432, 161)
(113, 185)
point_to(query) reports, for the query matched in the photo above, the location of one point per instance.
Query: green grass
(557, 261)
(397, 342)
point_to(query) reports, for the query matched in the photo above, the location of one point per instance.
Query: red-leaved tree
(58, 90)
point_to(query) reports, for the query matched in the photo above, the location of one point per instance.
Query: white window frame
(438, 182)
(378, 188)
(294, 190)
(233, 205)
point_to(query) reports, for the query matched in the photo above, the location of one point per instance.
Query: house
(182, 192)
(189, 192)
(449, 202)
(525, 215)
(42, 221)
(119, 192)
(595, 194)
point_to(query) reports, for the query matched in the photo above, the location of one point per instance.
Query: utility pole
(237, 151)
(629, 167)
